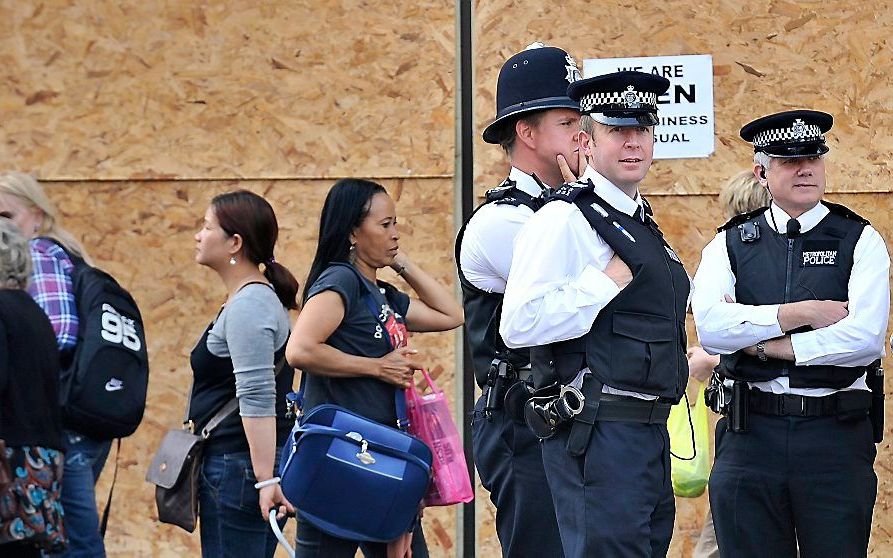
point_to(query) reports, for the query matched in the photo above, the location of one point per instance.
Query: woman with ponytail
(236, 358)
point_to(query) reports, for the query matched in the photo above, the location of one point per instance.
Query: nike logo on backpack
(114, 385)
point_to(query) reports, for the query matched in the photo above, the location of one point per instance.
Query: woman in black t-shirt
(353, 358)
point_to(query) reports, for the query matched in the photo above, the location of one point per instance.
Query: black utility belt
(620, 408)
(547, 412)
(842, 403)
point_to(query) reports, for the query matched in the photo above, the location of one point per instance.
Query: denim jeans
(84, 460)
(313, 543)
(230, 520)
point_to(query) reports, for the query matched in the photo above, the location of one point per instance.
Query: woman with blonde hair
(23, 200)
(743, 193)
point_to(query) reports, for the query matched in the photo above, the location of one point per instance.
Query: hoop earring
(232, 260)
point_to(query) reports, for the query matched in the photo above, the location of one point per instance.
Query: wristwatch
(761, 351)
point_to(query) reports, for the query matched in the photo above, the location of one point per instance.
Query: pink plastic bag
(430, 420)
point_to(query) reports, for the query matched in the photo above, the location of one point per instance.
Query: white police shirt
(557, 285)
(487, 245)
(856, 340)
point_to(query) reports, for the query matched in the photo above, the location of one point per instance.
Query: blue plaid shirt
(51, 287)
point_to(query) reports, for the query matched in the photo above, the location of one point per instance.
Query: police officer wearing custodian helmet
(535, 123)
(598, 292)
(795, 298)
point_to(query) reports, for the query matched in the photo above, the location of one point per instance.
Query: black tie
(793, 228)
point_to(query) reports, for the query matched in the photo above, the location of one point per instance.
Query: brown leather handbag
(176, 467)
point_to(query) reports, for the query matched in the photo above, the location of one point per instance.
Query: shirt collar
(612, 194)
(525, 182)
(807, 220)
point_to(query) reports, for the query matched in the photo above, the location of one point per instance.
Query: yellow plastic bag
(689, 476)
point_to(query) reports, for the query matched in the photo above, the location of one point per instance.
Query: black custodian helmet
(534, 79)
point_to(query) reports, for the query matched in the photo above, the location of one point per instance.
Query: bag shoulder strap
(369, 299)
(228, 408)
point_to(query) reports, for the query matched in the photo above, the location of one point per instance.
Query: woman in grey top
(236, 357)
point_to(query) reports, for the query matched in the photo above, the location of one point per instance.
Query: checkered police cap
(793, 133)
(620, 99)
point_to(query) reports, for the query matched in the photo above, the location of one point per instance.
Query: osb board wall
(142, 232)
(767, 56)
(147, 242)
(100, 89)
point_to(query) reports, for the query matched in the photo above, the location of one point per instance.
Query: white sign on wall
(685, 111)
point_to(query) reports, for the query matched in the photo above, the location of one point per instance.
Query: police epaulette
(743, 217)
(845, 212)
(500, 191)
(568, 192)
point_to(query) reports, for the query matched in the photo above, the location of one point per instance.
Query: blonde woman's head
(742, 193)
(23, 200)
(15, 259)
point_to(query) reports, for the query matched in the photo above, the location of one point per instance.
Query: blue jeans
(230, 520)
(313, 543)
(84, 460)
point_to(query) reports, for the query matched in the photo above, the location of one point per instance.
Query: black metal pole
(466, 170)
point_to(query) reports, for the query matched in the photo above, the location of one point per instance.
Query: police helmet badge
(798, 129)
(631, 98)
(573, 73)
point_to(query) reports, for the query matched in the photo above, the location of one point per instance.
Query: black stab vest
(483, 309)
(637, 342)
(773, 269)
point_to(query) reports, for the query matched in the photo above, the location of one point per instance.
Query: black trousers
(617, 499)
(791, 480)
(509, 461)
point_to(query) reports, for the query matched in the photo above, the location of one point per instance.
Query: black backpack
(103, 387)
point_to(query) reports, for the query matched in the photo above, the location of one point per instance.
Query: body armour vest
(482, 308)
(637, 342)
(770, 268)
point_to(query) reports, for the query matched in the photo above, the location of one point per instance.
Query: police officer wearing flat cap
(535, 123)
(598, 293)
(794, 297)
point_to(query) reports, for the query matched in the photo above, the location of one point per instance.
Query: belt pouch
(581, 429)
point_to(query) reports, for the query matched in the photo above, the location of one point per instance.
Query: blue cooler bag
(352, 477)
